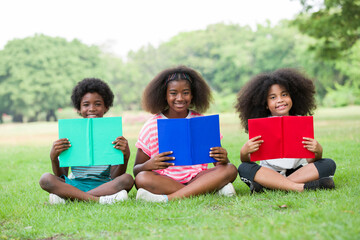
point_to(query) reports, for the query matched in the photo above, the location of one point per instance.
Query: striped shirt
(148, 143)
(99, 173)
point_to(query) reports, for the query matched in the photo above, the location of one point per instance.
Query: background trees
(334, 23)
(38, 73)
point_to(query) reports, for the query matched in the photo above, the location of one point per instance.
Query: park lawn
(334, 214)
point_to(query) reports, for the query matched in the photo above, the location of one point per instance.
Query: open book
(91, 141)
(282, 137)
(190, 139)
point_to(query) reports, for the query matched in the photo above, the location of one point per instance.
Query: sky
(119, 26)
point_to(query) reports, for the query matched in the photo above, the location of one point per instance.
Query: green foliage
(335, 23)
(37, 73)
(342, 95)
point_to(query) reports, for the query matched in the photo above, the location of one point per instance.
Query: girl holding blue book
(173, 93)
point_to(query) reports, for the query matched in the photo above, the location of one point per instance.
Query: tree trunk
(51, 114)
(18, 118)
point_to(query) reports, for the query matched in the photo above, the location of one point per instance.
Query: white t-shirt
(282, 164)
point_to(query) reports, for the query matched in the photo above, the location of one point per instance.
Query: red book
(282, 137)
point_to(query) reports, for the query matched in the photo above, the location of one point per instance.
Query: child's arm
(144, 163)
(58, 147)
(122, 144)
(252, 145)
(220, 155)
(313, 146)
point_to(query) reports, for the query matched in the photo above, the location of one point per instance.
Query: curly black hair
(91, 85)
(252, 98)
(154, 96)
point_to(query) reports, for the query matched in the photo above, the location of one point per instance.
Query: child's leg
(317, 175)
(274, 180)
(57, 185)
(305, 174)
(123, 182)
(207, 181)
(156, 183)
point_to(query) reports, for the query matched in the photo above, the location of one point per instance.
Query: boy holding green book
(105, 184)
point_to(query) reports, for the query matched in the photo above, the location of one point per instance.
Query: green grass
(25, 214)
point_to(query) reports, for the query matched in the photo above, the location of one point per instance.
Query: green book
(91, 141)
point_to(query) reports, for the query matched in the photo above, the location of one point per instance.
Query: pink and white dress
(148, 143)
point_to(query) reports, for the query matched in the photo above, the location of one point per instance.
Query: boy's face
(92, 106)
(279, 101)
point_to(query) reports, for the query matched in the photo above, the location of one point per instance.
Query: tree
(335, 23)
(38, 73)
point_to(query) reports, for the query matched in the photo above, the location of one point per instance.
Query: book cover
(91, 141)
(282, 137)
(190, 139)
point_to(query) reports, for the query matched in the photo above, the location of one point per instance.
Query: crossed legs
(57, 185)
(206, 181)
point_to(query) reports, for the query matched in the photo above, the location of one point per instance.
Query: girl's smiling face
(178, 97)
(92, 105)
(279, 101)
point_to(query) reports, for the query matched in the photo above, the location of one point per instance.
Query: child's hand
(312, 145)
(122, 144)
(58, 147)
(252, 145)
(157, 162)
(219, 154)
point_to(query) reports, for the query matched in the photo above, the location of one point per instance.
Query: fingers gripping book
(282, 137)
(91, 141)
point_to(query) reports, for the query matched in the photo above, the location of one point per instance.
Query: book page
(105, 131)
(173, 135)
(76, 130)
(295, 128)
(270, 130)
(205, 134)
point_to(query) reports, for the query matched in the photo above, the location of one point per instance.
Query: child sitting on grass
(104, 184)
(171, 94)
(281, 93)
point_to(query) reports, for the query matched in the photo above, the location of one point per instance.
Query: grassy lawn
(25, 214)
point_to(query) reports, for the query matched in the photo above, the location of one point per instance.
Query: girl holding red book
(284, 92)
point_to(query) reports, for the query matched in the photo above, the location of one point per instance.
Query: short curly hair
(154, 96)
(252, 98)
(91, 85)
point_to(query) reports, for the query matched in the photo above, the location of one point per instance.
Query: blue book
(91, 141)
(190, 139)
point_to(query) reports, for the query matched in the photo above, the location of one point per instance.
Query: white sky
(124, 25)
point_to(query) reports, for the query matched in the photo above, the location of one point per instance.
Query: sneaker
(55, 199)
(322, 183)
(228, 190)
(147, 196)
(110, 199)
(256, 187)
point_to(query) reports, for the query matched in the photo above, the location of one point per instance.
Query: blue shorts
(85, 185)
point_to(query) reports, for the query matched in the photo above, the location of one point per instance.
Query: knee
(228, 171)
(46, 182)
(128, 181)
(243, 168)
(142, 179)
(331, 166)
(326, 167)
(231, 172)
